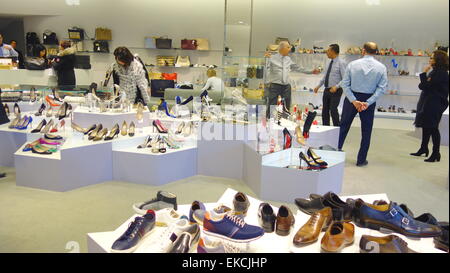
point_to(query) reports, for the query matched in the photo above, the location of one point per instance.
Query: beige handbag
(183, 61)
(165, 60)
(272, 48)
(103, 34)
(202, 44)
(255, 94)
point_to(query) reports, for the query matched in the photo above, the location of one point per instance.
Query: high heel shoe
(158, 125)
(311, 164)
(41, 109)
(170, 143)
(47, 127)
(308, 122)
(140, 111)
(45, 142)
(317, 159)
(38, 149)
(64, 111)
(188, 129)
(96, 131)
(124, 130)
(435, 156)
(299, 135)
(287, 139)
(162, 146)
(146, 143)
(53, 137)
(101, 134)
(51, 102)
(421, 151)
(132, 129)
(6, 109)
(58, 126)
(186, 101)
(163, 107)
(25, 124)
(16, 109)
(155, 144)
(180, 128)
(39, 127)
(113, 133)
(90, 129)
(77, 128)
(14, 123)
(32, 94)
(29, 146)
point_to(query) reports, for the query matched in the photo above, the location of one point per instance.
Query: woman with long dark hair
(432, 103)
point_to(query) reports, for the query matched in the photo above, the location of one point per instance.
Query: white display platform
(9, 143)
(269, 178)
(84, 118)
(101, 242)
(25, 106)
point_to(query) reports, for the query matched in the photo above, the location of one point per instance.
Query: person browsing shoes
(332, 82)
(364, 82)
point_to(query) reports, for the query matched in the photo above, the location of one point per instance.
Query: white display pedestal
(84, 118)
(269, 178)
(101, 242)
(9, 143)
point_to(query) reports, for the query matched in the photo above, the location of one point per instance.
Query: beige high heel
(299, 134)
(140, 111)
(124, 130)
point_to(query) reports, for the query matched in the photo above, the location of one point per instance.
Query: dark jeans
(348, 114)
(436, 137)
(330, 103)
(276, 90)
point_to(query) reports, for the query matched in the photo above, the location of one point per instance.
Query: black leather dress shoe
(441, 242)
(316, 203)
(362, 164)
(337, 203)
(266, 217)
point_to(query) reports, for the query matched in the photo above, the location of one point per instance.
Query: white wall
(408, 23)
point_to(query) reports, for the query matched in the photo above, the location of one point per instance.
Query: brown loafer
(338, 236)
(310, 231)
(285, 221)
(386, 244)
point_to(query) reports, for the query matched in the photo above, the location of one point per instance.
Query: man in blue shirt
(332, 81)
(6, 50)
(365, 80)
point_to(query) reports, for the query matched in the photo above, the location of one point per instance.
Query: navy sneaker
(391, 217)
(196, 205)
(230, 227)
(134, 235)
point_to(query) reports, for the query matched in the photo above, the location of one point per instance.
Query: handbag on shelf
(32, 38)
(251, 72)
(255, 94)
(155, 75)
(158, 87)
(183, 61)
(272, 48)
(260, 72)
(49, 38)
(103, 34)
(165, 60)
(169, 76)
(76, 33)
(150, 42)
(163, 43)
(189, 44)
(101, 46)
(202, 44)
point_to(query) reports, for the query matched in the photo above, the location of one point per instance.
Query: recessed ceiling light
(73, 2)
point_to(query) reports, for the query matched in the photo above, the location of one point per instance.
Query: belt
(281, 84)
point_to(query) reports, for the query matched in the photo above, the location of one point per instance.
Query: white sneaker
(171, 234)
(166, 217)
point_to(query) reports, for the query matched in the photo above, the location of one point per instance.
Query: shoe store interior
(225, 126)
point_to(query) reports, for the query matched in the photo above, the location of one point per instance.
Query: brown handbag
(165, 60)
(202, 44)
(189, 44)
(103, 34)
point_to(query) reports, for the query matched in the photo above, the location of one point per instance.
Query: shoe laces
(132, 227)
(313, 220)
(238, 221)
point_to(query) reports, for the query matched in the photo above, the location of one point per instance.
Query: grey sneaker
(163, 200)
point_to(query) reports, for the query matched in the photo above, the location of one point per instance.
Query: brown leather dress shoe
(386, 244)
(285, 221)
(338, 236)
(310, 231)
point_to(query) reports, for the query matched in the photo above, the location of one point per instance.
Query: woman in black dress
(432, 103)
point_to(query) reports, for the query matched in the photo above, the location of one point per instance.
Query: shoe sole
(213, 234)
(132, 249)
(323, 250)
(387, 228)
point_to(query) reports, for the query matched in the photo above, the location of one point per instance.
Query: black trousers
(276, 90)
(348, 114)
(436, 137)
(330, 102)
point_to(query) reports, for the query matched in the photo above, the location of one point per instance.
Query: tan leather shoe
(310, 231)
(338, 236)
(386, 244)
(285, 221)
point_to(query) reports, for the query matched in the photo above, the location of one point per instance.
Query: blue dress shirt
(4, 52)
(365, 75)
(336, 74)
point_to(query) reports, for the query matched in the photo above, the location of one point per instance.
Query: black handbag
(49, 38)
(163, 43)
(159, 86)
(83, 61)
(260, 72)
(101, 46)
(32, 38)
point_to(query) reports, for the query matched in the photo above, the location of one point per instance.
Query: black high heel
(113, 133)
(6, 109)
(311, 164)
(421, 151)
(65, 111)
(39, 127)
(41, 109)
(317, 159)
(187, 100)
(90, 129)
(434, 157)
(308, 123)
(287, 139)
(16, 109)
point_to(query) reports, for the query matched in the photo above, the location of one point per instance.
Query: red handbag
(189, 44)
(169, 76)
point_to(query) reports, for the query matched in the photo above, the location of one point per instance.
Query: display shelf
(84, 118)
(101, 242)
(183, 67)
(178, 49)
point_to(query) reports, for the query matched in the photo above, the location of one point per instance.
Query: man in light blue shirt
(365, 80)
(6, 51)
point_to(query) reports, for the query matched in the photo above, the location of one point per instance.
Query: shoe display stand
(84, 118)
(268, 175)
(25, 106)
(101, 242)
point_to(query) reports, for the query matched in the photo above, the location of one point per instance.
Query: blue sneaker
(134, 235)
(230, 227)
(196, 205)
(392, 218)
